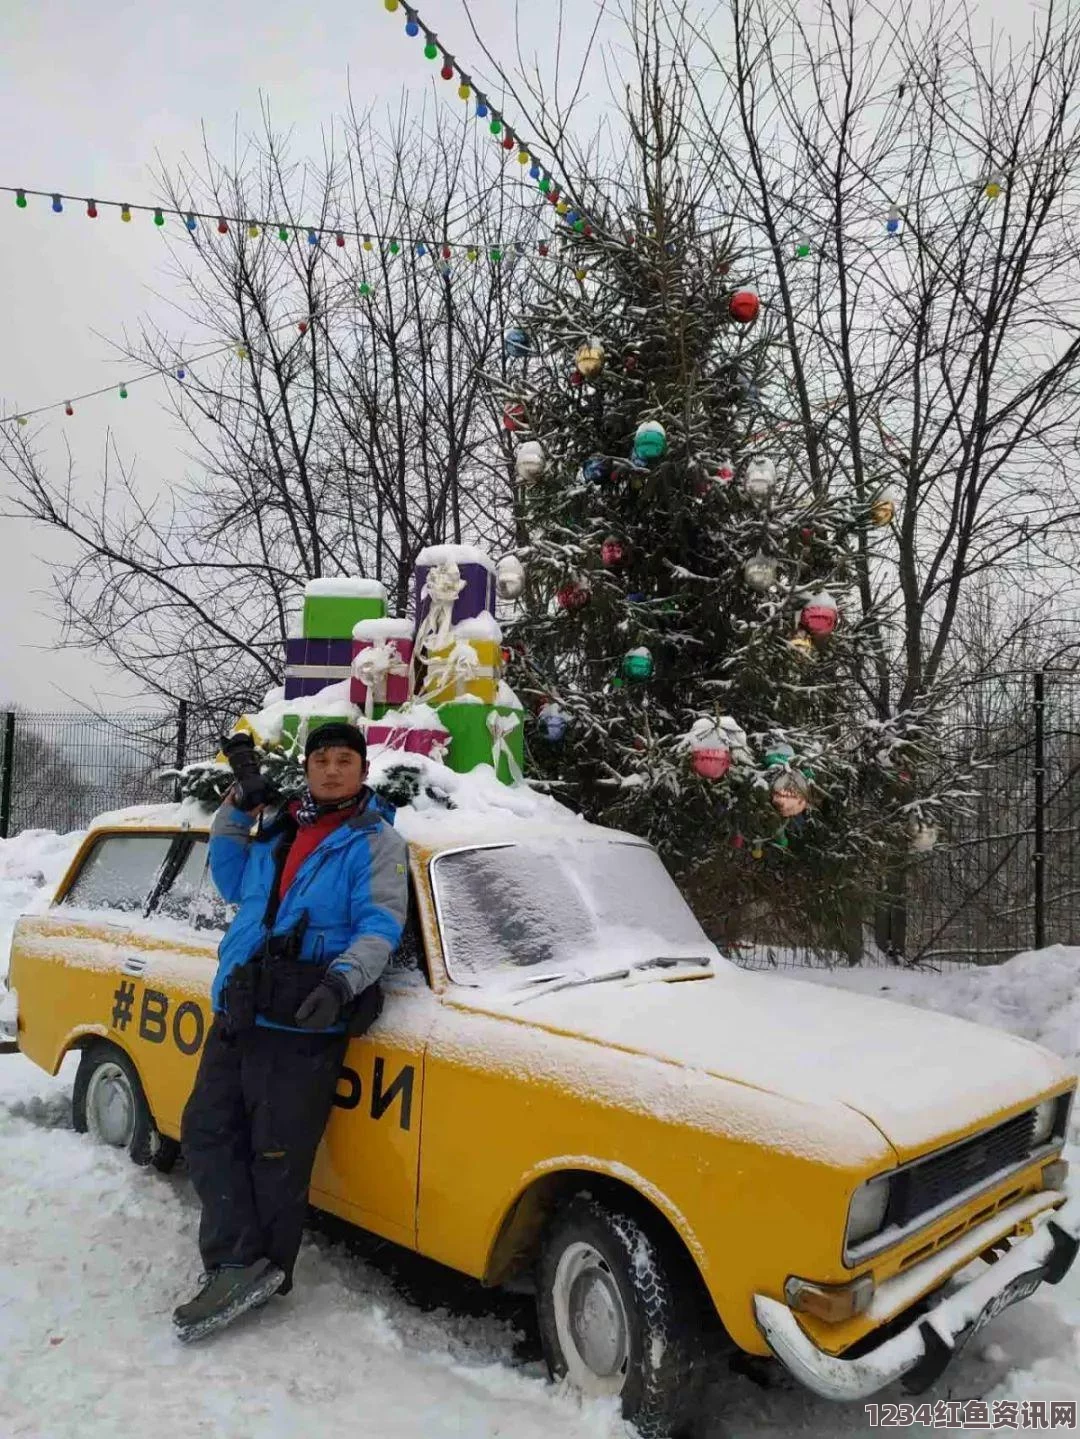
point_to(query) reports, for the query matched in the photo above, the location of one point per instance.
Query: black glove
(251, 789)
(323, 1006)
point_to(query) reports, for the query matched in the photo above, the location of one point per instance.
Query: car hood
(920, 1077)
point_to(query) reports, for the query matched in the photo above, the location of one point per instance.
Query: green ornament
(650, 442)
(780, 754)
(638, 665)
(781, 841)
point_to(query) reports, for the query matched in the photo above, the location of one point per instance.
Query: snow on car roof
(485, 811)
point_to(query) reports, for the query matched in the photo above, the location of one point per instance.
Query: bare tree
(342, 428)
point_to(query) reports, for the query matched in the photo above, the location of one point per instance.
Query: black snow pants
(250, 1132)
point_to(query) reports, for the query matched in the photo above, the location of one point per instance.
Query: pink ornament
(725, 472)
(612, 552)
(819, 616)
(711, 763)
(514, 416)
(572, 596)
(744, 306)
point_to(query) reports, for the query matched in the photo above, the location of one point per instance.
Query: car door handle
(134, 965)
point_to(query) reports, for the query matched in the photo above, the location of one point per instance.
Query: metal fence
(1005, 878)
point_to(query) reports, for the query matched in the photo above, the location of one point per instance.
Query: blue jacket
(353, 887)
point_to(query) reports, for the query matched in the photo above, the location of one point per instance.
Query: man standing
(322, 892)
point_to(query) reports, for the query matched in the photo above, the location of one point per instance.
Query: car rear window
(191, 897)
(120, 873)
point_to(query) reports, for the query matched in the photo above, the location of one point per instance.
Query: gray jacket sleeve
(379, 902)
(230, 836)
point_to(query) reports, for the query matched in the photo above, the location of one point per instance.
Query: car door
(367, 1169)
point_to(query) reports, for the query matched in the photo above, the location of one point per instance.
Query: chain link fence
(1005, 878)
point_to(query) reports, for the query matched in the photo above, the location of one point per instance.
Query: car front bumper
(919, 1353)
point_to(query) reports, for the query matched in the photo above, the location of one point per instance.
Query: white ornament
(509, 577)
(923, 837)
(761, 572)
(760, 480)
(531, 461)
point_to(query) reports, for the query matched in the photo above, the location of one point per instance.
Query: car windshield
(575, 908)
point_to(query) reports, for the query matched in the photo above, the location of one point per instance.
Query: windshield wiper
(577, 980)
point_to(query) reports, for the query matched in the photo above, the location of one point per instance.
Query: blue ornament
(552, 724)
(517, 344)
(596, 469)
(650, 442)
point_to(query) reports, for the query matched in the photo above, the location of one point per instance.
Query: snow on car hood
(920, 1077)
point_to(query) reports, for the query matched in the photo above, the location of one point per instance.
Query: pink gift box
(409, 741)
(383, 636)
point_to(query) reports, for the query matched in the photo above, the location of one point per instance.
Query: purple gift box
(311, 665)
(475, 568)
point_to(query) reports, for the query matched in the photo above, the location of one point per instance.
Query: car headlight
(866, 1214)
(1043, 1128)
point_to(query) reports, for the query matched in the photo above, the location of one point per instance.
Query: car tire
(108, 1103)
(620, 1314)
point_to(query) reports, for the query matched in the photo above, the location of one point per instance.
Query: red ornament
(818, 618)
(738, 842)
(302, 327)
(507, 654)
(904, 776)
(639, 743)
(806, 534)
(447, 72)
(339, 240)
(576, 377)
(446, 252)
(631, 239)
(711, 763)
(573, 596)
(222, 226)
(725, 472)
(630, 363)
(744, 306)
(612, 552)
(514, 416)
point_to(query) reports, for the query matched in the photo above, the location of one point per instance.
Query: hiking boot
(226, 1293)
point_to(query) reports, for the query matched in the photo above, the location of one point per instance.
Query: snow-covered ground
(94, 1254)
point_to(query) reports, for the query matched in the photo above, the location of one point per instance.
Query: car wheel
(619, 1316)
(108, 1103)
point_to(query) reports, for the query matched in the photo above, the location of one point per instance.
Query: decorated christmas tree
(684, 630)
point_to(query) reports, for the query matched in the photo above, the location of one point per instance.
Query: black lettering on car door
(193, 1043)
(155, 1006)
(351, 1099)
(381, 1099)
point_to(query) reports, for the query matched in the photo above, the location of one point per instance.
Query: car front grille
(931, 1182)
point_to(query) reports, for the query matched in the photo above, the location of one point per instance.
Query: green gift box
(332, 607)
(485, 734)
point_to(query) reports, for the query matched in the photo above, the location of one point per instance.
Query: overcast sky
(93, 97)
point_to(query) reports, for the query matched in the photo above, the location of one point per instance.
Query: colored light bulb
(241, 352)
(534, 171)
(339, 240)
(22, 420)
(471, 254)
(542, 248)
(222, 225)
(572, 217)
(524, 158)
(253, 231)
(802, 249)
(69, 409)
(91, 210)
(191, 222)
(464, 91)
(481, 109)
(993, 188)
(445, 270)
(496, 125)
(892, 224)
(367, 243)
(58, 205)
(394, 247)
(181, 373)
(283, 233)
(123, 392)
(125, 214)
(365, 290)
(412, 27)
(20, 199)
(545, 184)
(159, 218)
(302, 326)
(312, 237)
(391, 5)
(581, 274)
(580, 225)
(431, 50)
(508, 141)
(447, 71)
(421, 248)
(496, 255)
(446, 252)
(562, 208)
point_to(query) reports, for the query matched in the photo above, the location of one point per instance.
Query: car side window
(191, 896)
(120, 873)
(410, 957)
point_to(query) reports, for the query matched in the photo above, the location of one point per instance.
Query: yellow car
(568, 1082)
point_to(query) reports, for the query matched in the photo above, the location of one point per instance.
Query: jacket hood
(920, 1077)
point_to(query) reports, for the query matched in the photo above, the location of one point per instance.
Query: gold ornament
(883, 510)
(590, 359)
(803, 646)
(790, 794)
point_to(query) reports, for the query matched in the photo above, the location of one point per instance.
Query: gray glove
(323, 1006)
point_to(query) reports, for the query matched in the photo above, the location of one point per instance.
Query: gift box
(485, 734)
(295, 729)
(453, 583)
(410, 739)
(461, 668)
(311, 665)
(332, 607)
(381, 661)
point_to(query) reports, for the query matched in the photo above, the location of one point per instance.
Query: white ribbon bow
(455, 670)
(443, 585)
(499, 726)
(373, 668)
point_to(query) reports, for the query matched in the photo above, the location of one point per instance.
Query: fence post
(181, 741)
(7, 774)
(1039, 857)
